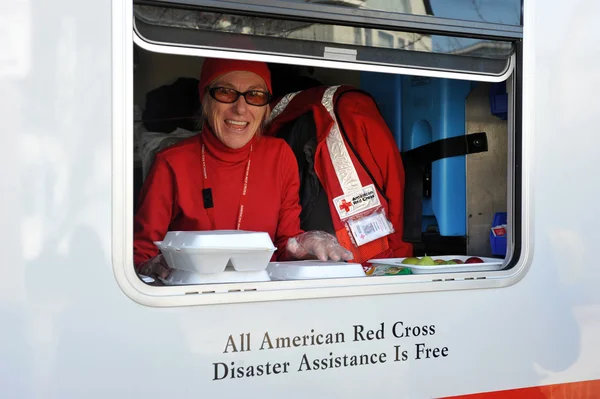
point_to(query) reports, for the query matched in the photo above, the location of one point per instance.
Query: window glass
(208, 29)
(506, 12)
(495, 13)
(491, 11)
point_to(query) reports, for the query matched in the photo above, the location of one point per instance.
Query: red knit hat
(212, 68)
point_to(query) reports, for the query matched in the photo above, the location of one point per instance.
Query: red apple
(458, 261)
(474, 259)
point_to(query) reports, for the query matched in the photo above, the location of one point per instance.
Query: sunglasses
(227, 95)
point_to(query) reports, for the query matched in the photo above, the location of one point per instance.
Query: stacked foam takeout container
(217, 256)
(201, 257)
(209, 252)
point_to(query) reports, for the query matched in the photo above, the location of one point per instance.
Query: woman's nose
(240, 105)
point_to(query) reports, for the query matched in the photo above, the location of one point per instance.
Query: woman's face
(235, 124)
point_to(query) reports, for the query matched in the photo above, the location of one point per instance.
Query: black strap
(417, 171)
(446, 148)
(413, 200)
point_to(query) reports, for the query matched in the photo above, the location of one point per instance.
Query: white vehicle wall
(68, 330)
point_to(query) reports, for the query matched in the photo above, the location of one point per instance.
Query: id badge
(370, 227)
(363, 215)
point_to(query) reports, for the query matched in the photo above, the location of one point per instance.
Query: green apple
(426, 261)
(410, 261)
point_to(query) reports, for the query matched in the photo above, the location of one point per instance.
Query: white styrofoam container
(313, 269)
(219, 239)
(184, 277)
(209, 252)
(488, 264)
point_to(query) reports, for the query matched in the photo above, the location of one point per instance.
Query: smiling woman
(228, 177)
(235, 122)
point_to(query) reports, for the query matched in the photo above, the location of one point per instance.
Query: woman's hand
(155, 267)
(317, 244)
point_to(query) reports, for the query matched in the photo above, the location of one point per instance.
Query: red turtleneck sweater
(171, 197)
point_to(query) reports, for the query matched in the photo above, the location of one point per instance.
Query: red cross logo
(345, 205)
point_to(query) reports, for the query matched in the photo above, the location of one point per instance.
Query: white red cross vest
(339, 171)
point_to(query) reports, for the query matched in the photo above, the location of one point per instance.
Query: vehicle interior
(452, 125)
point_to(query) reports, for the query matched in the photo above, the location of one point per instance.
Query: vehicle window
(453, 141)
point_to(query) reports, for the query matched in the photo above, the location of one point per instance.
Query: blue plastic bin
(419, 110)
(498, 243)
(499, 100)
(434, 109)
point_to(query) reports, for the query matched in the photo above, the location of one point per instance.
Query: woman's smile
(236, 125)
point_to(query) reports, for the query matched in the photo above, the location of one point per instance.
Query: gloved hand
(155, 267)
(317, 244)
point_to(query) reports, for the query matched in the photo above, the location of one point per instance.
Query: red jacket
(373, 141)
(171, 197)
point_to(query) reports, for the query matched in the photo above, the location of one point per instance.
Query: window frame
(518, 256)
